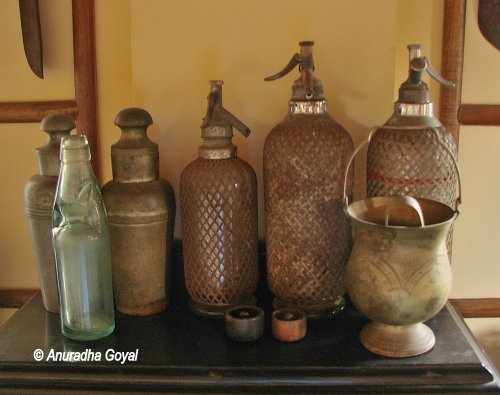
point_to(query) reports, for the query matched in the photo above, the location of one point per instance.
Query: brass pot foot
(397, 341)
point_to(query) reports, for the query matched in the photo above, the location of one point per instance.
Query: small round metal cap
(306, 43)
(244, 323)
(289, 325)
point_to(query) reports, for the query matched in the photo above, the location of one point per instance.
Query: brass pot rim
(379, 202)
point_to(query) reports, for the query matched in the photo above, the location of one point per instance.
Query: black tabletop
(179, 351)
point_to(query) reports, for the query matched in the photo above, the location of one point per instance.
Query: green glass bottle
(80, 238)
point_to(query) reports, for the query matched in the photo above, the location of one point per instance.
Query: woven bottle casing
(219, 226)
(413, 163)
(308, 235)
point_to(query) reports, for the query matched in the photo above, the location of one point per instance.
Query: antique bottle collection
(219, 217)
(81, 246)
(307, 234)
(141, 213)
(39, 194)
(116, 248)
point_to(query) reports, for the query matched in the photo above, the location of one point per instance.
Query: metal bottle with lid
(141, 213)
(39, 194)
(308, 236)
(412, 153)
(219, 217)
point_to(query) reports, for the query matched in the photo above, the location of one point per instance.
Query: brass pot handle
(397, 201)
(349, 162)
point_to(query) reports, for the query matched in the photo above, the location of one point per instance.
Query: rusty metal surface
(244, 323)
(288, 325)
(219, 226)
(308, 236)
(141, 215)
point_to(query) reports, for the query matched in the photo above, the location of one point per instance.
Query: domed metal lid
(56, 126)
(134, 157)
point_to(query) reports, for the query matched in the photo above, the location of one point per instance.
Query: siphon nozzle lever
(419, 64)
(217, 115)
(306, 67)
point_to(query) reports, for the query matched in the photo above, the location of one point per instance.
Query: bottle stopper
(244, 323)
(289, 325)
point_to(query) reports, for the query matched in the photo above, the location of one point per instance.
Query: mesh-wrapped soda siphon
(307, 233)
(219, 217)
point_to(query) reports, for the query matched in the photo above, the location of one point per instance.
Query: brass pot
(399, 274)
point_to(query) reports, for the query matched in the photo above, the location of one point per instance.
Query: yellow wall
(177, 46)
(17, 142)
(159, 54)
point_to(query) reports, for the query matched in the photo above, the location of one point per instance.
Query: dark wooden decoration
(479, 114)
(478, 308)
(452, 64)
(25, 112)
(86, 75)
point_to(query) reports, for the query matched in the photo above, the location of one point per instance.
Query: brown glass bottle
(307, 233)
(219, 217)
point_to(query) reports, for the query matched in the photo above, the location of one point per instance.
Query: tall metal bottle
(39, 194)
(412, 153)
(219, 217)
(141, 213)
(307, 233)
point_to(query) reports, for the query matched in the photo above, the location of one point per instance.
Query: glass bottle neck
(75, 149)
(76, 171)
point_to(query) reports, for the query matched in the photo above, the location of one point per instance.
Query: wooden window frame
(84, 107)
